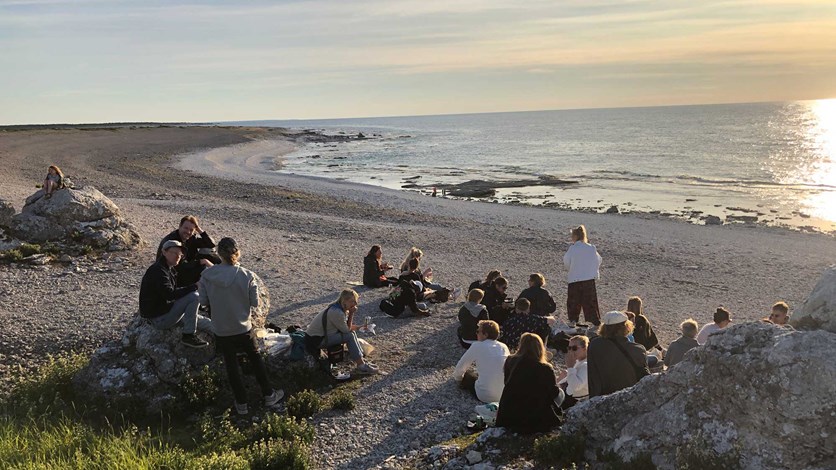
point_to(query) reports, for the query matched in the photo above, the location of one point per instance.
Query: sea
(758, 163)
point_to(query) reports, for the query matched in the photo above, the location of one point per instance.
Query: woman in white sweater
(583, 261)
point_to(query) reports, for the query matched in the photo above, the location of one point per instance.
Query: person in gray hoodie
(231, 291)
(471, 313)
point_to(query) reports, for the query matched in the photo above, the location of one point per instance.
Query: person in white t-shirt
(583, 262)
(489, 356)
(722, 318)
(575, 379)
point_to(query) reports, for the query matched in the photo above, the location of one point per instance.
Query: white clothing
(577, 381)
(583, 262)
(706, 331)
(489, 356)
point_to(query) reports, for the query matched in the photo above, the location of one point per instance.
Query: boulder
(7, 210)
(713, 220)
(756, 393)
(819, 310)
(612, 210)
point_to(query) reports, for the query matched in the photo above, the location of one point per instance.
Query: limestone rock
(819, 310)
(758, 391)
(6, 213)
(713, 220)
(612, 210)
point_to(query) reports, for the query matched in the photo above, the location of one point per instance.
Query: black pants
(230, 346)
(469, 382)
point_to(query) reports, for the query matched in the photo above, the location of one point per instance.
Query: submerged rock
(819, 310)
(612, 210)
(713, 220)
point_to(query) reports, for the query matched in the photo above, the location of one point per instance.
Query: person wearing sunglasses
(574, 380)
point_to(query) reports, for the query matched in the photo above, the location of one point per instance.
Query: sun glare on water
(822, 136)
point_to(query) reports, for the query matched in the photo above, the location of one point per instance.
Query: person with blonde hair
(531, 397)
(542, 302)
(488, 355)
(583, 262)
(414, 253)
(613, 363)
(231, 291)
(575, 379)
(685, 343)
(54, 181)
(780, 313)
(335, 325)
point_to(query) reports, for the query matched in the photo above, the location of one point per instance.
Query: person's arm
(567, 258)
(598, 255)
(467, 359)
(550, 305)
(576, 378)
(253, 294)
(338, 321)
(201, 291)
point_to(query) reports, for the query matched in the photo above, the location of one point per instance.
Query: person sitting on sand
(484, 284)
(780, 314)
(541, 300)
(374, 271)
(613, 362)
(339, 328)
(199, 250)
(575, 379)
(414, 253)
(166, 305)
(495, 297)
(685, 343)
(54, 181)
(643, 331)
(523, 322)
(488, 355)
(583, 262)
(231, 292)
(531, 397)
(427, 289)
(722, 319)
(470, 315)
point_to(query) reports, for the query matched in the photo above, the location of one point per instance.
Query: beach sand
(306, 237)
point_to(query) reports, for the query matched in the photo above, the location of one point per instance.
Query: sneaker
(422, 313)
(241, 409)
(193, 341)
(389, 314)
(366, 369)
(273, 398)
(456, 293)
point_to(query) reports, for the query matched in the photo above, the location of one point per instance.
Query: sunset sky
(95, 61)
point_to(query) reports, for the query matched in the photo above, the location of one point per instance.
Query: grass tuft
(304, 404)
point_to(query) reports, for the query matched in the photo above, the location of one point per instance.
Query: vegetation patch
(560, 450)
(304, 404)
(342, 399)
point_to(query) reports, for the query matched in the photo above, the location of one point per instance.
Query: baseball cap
(615, 317)
(172, 244)
(721, 314)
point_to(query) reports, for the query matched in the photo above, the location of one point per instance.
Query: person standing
(231, 291)
(583, 261)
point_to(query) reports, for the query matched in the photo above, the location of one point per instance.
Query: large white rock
(819, 310)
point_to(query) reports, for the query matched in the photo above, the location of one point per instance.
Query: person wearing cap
(198, 250)
(613, 363)
(583, 261)
(166, 305)
(780, 314)
(231, 291)
(722, 319)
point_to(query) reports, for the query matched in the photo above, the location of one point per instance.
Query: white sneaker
(241, 408)
(273, 398)
(456, 293)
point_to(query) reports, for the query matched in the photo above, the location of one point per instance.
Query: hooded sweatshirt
(469, 316)
(230, 291)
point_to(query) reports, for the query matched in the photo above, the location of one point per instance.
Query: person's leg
(204, 324)
(591, 312)
(573, 302)
(190, 316)
(355, 352)
(469, 382)
(49, 187)
(227, 346)
(652, 361)
(176, 313)
(249, 346)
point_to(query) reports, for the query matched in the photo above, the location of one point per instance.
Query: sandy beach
(307, 236)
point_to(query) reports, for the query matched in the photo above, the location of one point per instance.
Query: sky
(73, 61)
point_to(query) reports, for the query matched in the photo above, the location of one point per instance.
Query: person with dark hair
(643, 331)
(531, 398)
(198, 250)
(722, 319)
(484, 284)
(541, 300)
(471, 313)
(613, 363)
(523, 322)
(488, 355)
(374, 271)
(494, 300)
(232, 292)
(426, 289)
(583, 261)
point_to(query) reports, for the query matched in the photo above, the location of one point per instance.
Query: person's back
(609, 368)
(644, 334)
(522, 323)
(583, 261)
(541, 300)
(489, 356)
(527, 403)
(335, 322)
(371, 271)
(677, 349)
(231, 291)
(157, 290)
(470, 315)
(707, 331)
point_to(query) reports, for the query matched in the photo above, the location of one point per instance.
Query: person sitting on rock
(531, 398)
(575, 379)
(613, 362)
(340, 329)
(166, 305)
(685, 343)
(54, 181)
(488, 355)
(524, 322)
(780, 314)
(374, 271)
(495, 296)
(541, 300)
(231, 291)
(199, 250)
(484, 284)
(722, 319)
(470, 315)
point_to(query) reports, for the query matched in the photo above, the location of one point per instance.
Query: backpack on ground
(389, 307)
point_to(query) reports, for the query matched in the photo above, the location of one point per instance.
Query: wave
(633, 176)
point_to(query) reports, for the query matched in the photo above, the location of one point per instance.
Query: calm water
(777, 161)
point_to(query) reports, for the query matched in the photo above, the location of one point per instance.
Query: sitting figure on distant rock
(165, 305)
(613, 362)
(531, 397)
(541, 300)
(470, 315)
(199, 250)
(575, 379)
(54, 181)
(484, 284)
(231, 291)
(685, 343)
(524, 322)
(495, 296)
(722, 319)
(780, 314)
(374, 271)
(335, 326)
(488, 355)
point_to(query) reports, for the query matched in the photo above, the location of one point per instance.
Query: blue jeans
(184, 311)
(355, 352)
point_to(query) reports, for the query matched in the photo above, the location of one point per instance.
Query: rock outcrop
(147, 366)
(6, 213)
(756, 393)
(819, 310)
(83, 216)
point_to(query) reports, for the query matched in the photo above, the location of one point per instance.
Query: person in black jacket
(484, 284)
(642, 330)
(166, 305)
(374, 272)
(198, 250)
(531, 398)
(613, 363)
(495, 296)
(471, 313)
(541, 300)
